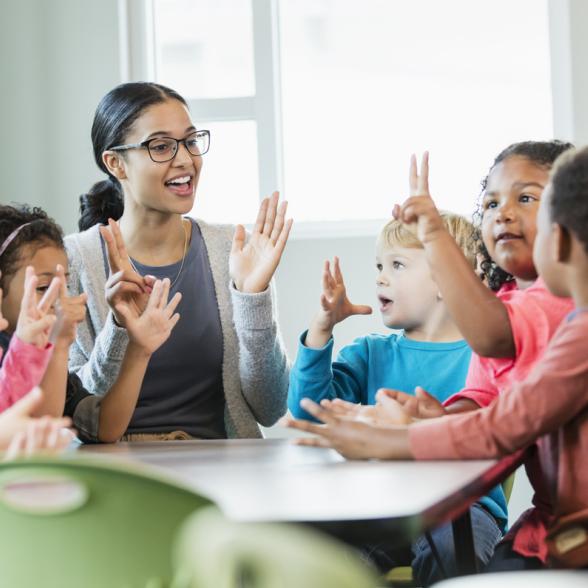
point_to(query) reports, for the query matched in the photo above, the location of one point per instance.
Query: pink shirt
(23, 369)
(535, 314)
(550, 409)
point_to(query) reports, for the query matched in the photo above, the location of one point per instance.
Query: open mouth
(385, 303)
(182, 185)
(508, 238)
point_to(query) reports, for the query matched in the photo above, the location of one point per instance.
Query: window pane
(367, 83)
(204, 49)
(228, 189)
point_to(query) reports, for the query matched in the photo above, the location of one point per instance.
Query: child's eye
(490, 204)
(397, 265)
(527, 198)
(379, 267)
(42, 289)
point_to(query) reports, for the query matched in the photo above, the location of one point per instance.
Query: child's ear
(562, 243)
(115, 164)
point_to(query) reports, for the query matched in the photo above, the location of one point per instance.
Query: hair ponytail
(103, 201)
(114, 117)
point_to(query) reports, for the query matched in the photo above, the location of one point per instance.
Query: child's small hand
(335, 306)
(351, 438)
(36, 320)
(151, 328)
(70, 310)
(390, 413)
(420, 406)
(19, 419)
(45, 436)
(419, 208)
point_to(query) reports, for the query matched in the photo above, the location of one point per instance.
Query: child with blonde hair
(428, 351)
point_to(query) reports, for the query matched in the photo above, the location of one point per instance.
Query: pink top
(535, 314)
(550, 409)
(23, 369)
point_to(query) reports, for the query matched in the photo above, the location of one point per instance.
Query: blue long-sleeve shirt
(384, 361)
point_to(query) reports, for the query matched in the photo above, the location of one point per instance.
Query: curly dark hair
(43, 230)
(541, 153)
(569, 195)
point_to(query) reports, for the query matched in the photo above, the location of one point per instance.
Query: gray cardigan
(255, 366)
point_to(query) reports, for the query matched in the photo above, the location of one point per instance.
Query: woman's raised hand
(252, 264)
(124, 285)
(150, 329)
(419, 208)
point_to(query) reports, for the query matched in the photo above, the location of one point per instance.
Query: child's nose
(505, 212)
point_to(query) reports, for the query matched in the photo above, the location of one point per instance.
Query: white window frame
(138, 62)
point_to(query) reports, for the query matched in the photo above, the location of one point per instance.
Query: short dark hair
(43, 230)
(114, 117)
(569, 194)
(541, 153)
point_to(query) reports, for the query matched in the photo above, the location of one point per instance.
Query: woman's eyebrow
(167, 133)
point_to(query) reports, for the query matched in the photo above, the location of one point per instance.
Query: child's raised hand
(124, 285)
(419, 208)
(152, 327)
(335, 306)
(70, 311)
(405, 406)
(253, 264)
(36, 320)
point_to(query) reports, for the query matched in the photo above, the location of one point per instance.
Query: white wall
(58, 57)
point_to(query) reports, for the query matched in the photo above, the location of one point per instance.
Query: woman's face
(168, 187)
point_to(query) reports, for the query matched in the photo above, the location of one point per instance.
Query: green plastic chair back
(88, 522)
(212, 552)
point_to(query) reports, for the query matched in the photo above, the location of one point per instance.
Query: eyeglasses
(162, 149)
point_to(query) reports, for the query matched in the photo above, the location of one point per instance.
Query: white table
(276, 481)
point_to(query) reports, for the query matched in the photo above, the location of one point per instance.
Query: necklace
(183, 256)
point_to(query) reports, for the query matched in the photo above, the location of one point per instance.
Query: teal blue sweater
(384, 361)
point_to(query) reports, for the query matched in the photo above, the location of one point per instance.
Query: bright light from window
(367, 83)
(204, 48)
(228, 189)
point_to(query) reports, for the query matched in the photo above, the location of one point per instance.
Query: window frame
(137, 41)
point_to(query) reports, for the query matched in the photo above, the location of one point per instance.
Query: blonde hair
(399, 234)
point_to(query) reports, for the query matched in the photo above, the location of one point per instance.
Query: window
(326, 99)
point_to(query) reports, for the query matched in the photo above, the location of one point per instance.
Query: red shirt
(549, 409)
(535, 314)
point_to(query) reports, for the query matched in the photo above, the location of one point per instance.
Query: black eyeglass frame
(145, 145)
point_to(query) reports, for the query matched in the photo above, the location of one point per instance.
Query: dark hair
(541, 153)
(569, 195)
(43, 230)
(114, 117)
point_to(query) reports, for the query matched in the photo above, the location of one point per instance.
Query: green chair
(88, 522)
(212, 552)
(401, 576)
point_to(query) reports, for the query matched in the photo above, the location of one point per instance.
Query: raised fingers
(173, 304)
(51, 295)
(279, 222)
(114, 259)
(423, 185)
(260, 220)
(120, 243)
(270, 215)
